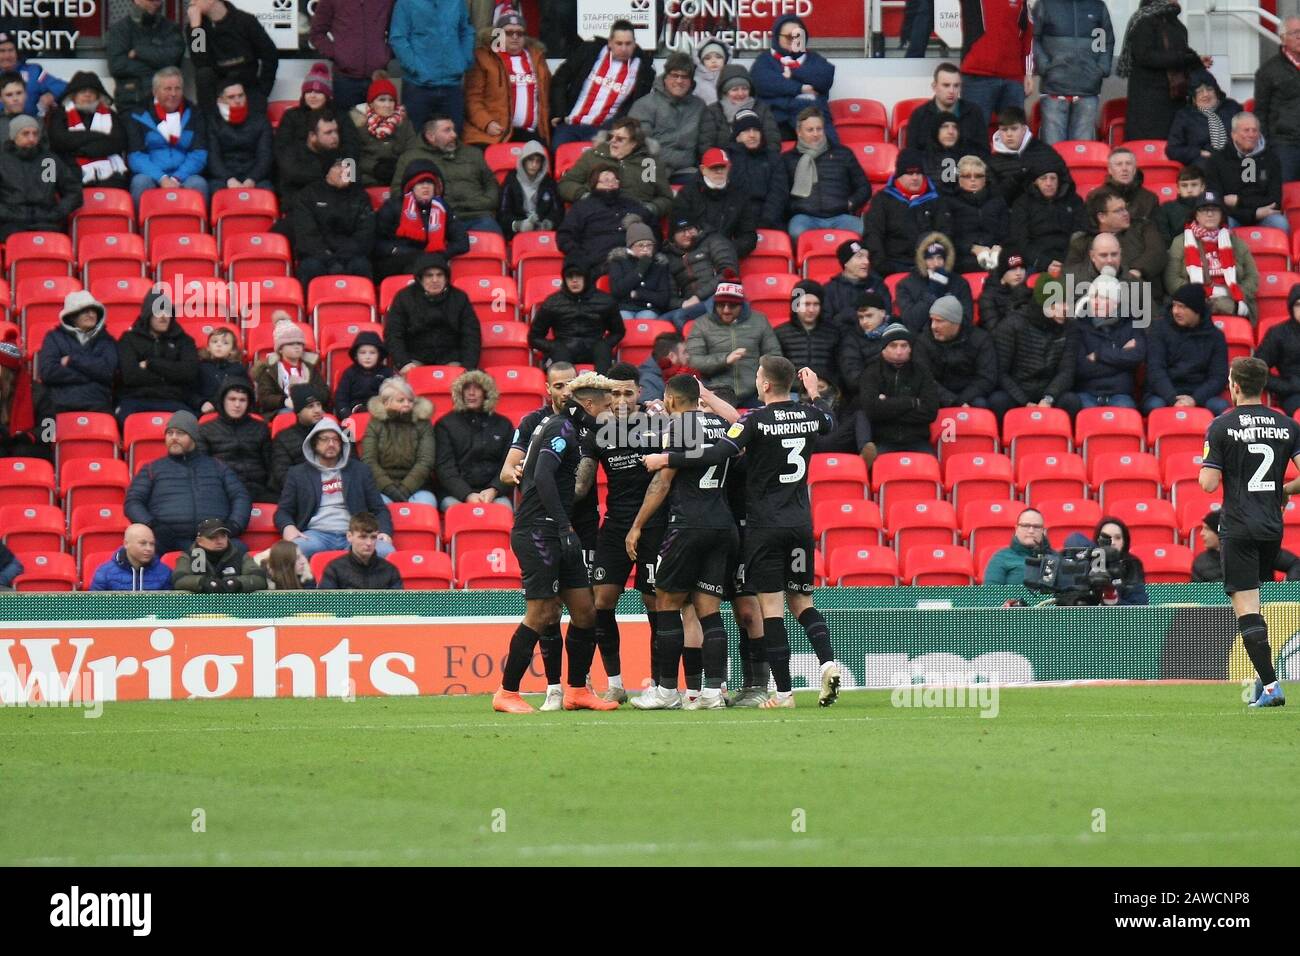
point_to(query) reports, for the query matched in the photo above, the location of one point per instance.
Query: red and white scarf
(95, 170)
(789, 62)
(288, 375)
(411, 224)
(1210, 261)
(382, 127)
(170, 126)
(523, 89)
(607, 85)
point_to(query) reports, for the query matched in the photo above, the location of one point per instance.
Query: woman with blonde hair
(398, 445)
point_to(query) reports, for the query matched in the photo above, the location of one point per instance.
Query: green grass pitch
(1176, 770)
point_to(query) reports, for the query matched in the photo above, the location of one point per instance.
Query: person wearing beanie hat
(710, 57)
(734, 94)
(810, 338)
(757, 171)
(899, 395)
(944, 150)
(670, 115)
(241, 154)
(77, 362)
(288, 365)
(1209, 253)
(31, 199)
(932, 277)
(159, 362)
(1110, 348)
(697, 263)
(431, 322)
(855, 278)
(508, 86)
(726, 342)
(908, 208)
(384, 132)
(302, 151)
(414, 221)
(579, 323)
(1036, 350)
(827, 185)
(333, 226)
(176, 492)
(577, 116)
(962, 357)
(1208, 564)
(361, 380)
(236, 46)
(1006, 290)
(1187, 356)
(286, 446)
(239, 439)
(596, 224)
(1046, 216)
(716, 202)
(87, 133)
(791, 78)
(639, 278)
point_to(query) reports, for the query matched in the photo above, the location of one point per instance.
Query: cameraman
(1028, 541)
(1208, 565)
(1113, 533)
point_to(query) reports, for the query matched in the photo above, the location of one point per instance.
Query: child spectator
(289, 365)
(286, 568)
(360, 382)
(219, 360)
(530, 198)
(639, 278)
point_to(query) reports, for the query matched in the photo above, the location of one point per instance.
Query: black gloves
(396, 492)
(570, 543)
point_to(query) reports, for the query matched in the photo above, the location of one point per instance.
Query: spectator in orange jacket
(508, 86)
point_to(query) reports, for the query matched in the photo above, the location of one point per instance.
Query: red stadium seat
(84, 435)
(877, 160)
(322, 558)
(90, 562)
(978, 476)
(921, 524)
(1114, 113)
(1270, 247)
(261, 532)
(1173, 430)
(846, 523)
(521, 389)
(276, 109)
(1118, 475)
(988, 523)
(486, 256)
(837, 476)
(433, 381)
(333, 300)
(176, 254)
(252, 255)
(639, 340)
(46, 571)
(1066, 517)
(567, 155)
(505, 343)
(1155, 164)
(354, 427)
(961, 430)
(1053, 477)
(1080, 154)
(1166, 563)
(502, 159)
(121, 298)
(388, 290)
(1150, 520)
(533, 255)
(1238, 333)
(903, 111)
(773, 254)
(860, 120)
(1180, 474)
(36, 255)
(102, 210)
(171, 210)
(142, 437)
(93, 481)
(469, 527)
(1099, 431)
(33, 527)
(423, 570)
(769, 293)
(378, 195)
(537, 291)
(415, 526)
(938, 566)
(243, 210)
(905, 476)
(494, 297)
(862, 567)
(819, 246)
(1191, 514)
(1274, 287)
(1291, 525)
(498, 568)
(267, 294)
(96, 528)
(27, 481)
(107, 255)
(1027, 431)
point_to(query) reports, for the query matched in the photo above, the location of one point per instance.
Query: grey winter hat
(895, 332)
(19, 123)
(739, 79)
(639, 232)
(186, 422)
(948, 308)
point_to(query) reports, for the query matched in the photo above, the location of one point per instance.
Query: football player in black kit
(550, 552)
(779, 547)
(1247, 450)
(585, 518)
(698, 549)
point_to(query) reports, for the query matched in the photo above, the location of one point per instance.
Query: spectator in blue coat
(77, 361)
(173, 494)
(1187, 356)
(168, 143)
(790, 77)
(434, 42)
(135, 566)
(43, 91)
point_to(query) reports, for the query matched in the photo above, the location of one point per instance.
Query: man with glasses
(670, 115)
(790, 78)
(727, 343)
(1277, 100)
(508, 87)
(598, 83)
(1138, 253)
(1248, 175)
(1029, 540)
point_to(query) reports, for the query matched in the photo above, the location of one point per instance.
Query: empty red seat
(905, 476)
(902, 112)
(533, 255)
(27, 481)
(640, 338)
(921, 524)
(182, 254)
(332, 300)
(1117, 476)
(949, 565)
(266, 295)
(36, 255)
(502, 159)
(32, 527)
(835, 476)
(102, 210)
(84, 435)
(521, 389)
(121, 298)
(504, 343)
(1154, 162)
(988, 523)
(1238, 333)
(46, 571)
(142, 437)
(979, 476)
(96, 528)
(774, 254)
(252, 255)
(1270, 247)
(1066, 517)
(876, 159)
(486, 256)
(261, 532)
(497, 568)
(961, 430)
(537, 291)
(1036, 431)
(108, 255)
(354, 426)
(243, 210)
(862, 567)
(93, 481)
(846, 524)
(1099, 431)
(861, 114)
(1165, 563)
(171, 210)
(1174, 430)
(434, 381)
(1179, 474)
(477, 527)
(423, 570)
(415, 526)
(566, 155)
(1051, 477)
(1150, 521)
(1083, 154)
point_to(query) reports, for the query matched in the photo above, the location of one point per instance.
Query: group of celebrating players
(692, 518)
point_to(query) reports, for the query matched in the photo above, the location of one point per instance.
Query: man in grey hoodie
(670, 115)
(322, 494)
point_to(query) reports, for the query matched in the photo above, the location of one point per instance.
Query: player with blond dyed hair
(550, 552)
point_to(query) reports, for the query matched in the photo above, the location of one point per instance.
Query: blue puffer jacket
(38, 84)
(1113, 370)
(782, 95)
(1186, 361)
(118, 574)
(151, 154)
(433, 40)
(85, 384)
(176, 492)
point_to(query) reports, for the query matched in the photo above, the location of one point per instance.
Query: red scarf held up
(411, 224)
(163, 118)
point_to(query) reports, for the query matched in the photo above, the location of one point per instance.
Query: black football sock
(819, 635)
(693, 665)
(553, 654)
(653, 618)
(715, 650)
(778, 651)
(762, 671)
(580, 642)
(521, 655)
(607, 641)
(746, 663)
(671, 640)
(1254, 635)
